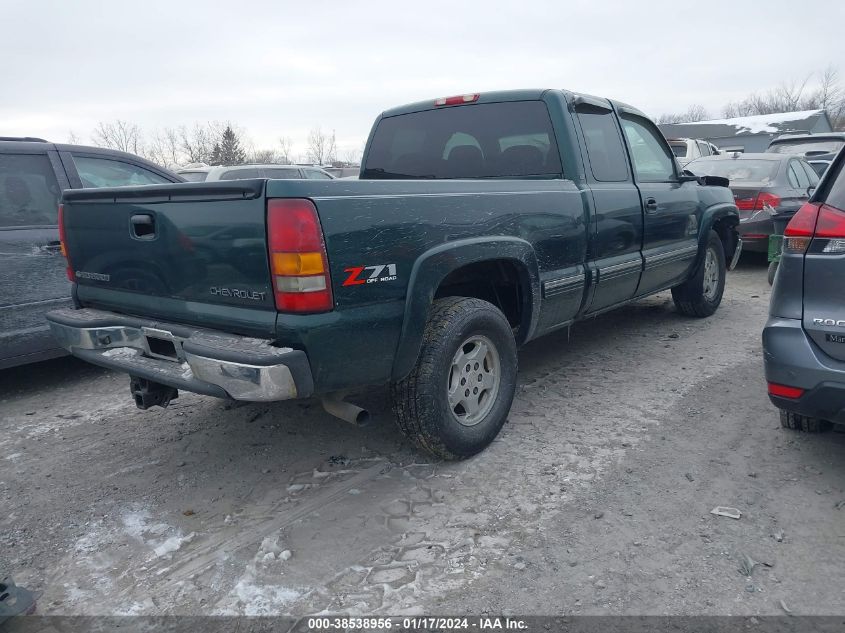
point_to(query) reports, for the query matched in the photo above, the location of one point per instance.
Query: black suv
(33, 174)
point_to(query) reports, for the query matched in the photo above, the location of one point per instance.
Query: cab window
(651, 158)
(105, 172)
(29, 192)
(604, 145)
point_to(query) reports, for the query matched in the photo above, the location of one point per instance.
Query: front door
(672, 211)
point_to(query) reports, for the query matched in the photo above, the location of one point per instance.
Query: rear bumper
(193, 359)
(792, 359)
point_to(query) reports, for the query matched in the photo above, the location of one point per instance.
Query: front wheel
(458, 395)
(701, 295)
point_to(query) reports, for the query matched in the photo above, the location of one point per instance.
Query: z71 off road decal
(359, 275)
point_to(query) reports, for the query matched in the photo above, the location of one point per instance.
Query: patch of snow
(171, 544)
(258, 599)
(760, 123)
(13, 456)
(121, 352)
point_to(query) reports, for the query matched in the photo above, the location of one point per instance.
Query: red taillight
(63, 244)
(783, 391)
(803, 223)
(298, 262)
(799, 231)
(758, 202)
(831, 222)
(457, 100)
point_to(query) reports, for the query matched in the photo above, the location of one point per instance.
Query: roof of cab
(497, 96)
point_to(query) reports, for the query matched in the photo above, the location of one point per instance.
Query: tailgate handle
(143, 226)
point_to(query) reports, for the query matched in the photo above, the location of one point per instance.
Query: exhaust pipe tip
(346, 411)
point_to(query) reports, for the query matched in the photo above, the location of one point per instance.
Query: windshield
(679, 149)
(495, 140)
(822, 145)
(737, 169)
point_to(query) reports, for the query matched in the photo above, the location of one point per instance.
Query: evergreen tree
(216, 157)
(231, 152)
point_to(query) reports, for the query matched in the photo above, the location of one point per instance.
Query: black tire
(797, 422)
(690, 297)
(773, 268)
(421, 400)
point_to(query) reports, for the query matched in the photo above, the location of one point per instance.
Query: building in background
(750, 133)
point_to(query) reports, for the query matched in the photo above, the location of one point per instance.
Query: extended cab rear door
(672, 213)
(617, 219)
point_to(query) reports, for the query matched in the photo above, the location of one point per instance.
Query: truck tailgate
(190, 252)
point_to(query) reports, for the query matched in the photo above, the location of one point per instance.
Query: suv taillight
(63, 244)
(818, 220)
(298, 262)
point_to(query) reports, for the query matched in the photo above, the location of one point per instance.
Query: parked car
(817, 146)
(688, 149)
(763, 185)
(804, 338)
(245, 172)
(481, 222)
(344, 172)
(33, 173)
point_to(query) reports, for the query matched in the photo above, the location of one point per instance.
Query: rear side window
(797, 176)
(316, 174)
(240, 174)
(652, 161)
(812, 175)
(29, 192)
(493, 140)
(703, 148)
(679, 149)
(194, 176)
(279, 174)
(104, 172)
(604, 145)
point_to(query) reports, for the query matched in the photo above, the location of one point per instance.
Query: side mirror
(686, 176)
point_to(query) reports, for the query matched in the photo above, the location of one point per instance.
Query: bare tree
(197, 143)
(165, 148)
(262, 156)
(120, 135)
(286, 150)
(694, 113)
(351, 157)
(321, 146)
(72, 138)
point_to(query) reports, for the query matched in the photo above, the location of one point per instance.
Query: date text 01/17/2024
(418, 623)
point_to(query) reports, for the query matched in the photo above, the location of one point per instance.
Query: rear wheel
(797, 422)
(701, 295)
(458, 395)
(773, 268)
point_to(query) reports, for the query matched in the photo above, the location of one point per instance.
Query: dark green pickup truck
(480, 222)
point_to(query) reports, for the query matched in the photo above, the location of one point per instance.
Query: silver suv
(245, 172)
(804, 338)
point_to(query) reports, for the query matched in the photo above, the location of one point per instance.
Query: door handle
(143, 226)
(650, 205)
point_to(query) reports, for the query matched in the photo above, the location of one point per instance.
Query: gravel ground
(596, 497)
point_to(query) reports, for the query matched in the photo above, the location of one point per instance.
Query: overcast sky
(279, 68)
